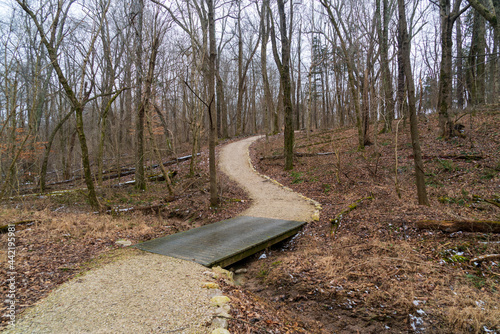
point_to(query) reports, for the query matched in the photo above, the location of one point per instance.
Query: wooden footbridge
(225, 242)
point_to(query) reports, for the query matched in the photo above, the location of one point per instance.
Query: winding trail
(269, 199)
(149, 293)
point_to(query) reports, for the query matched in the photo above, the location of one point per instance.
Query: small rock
(215, 292)
(219, 300)
(210, 285)
(315, 216)
(123, 243)
(220, 331)
(222, 314)
(210, 274)
(220, 323)
(223, 311)
(240, 271)
(219, 272)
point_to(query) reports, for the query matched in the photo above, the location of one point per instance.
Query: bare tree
(448, 18)
(77, 101)
(383, 20)
(351, 73)
(415, 141)
(284, 69)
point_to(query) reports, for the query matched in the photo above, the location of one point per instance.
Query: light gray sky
(5, 8)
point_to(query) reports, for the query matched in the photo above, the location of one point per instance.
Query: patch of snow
(416, 323)
(421, 312)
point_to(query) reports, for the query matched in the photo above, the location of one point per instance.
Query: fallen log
(450, 226)
(466, 157)
(150, 208)
(488, 257)
(5, 228)
(124, 172)
(300, 155)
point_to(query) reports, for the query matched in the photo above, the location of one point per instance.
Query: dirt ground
(370, 270)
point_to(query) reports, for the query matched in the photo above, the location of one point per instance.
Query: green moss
(296, 177)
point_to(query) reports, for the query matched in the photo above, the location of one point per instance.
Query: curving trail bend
(269, 198)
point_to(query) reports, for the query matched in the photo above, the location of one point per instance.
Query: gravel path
(269, 199)
(143, 293)
(150, 293)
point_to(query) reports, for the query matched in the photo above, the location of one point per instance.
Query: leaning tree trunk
(140, 179)
(214, 196)
(415, 141)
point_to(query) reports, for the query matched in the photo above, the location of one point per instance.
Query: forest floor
(370, 270)
(375, 273)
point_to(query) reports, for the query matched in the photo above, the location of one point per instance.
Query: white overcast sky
(5, 8)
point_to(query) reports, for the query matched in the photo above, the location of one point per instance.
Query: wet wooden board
(225, 242)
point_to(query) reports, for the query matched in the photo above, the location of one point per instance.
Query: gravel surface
(150, 293)
(268, 199)
(143, 293)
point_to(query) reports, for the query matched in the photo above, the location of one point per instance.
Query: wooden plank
(225, 242)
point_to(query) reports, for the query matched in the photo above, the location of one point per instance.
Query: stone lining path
(269, 199)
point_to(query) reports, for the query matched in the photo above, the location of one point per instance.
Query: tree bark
(284, 68)
(448, 19)
(415, 141)
(214, 196)
(140, 179)
(265, 30)
(383, 20)
(459, 64)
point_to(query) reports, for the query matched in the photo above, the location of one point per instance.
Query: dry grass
(377, 273)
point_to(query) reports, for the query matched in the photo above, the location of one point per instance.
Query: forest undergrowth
(365, 267)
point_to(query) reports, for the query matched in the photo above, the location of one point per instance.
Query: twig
(176, 330)
(243, 321)
(487, 257)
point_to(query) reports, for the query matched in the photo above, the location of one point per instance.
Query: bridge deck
(224, 242)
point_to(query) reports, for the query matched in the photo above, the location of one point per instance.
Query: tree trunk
(140, 180)
(284, 67)
(45, 161)
(415, 141)
(214, 196)
(383, 36)
(299, 82)
(265, 30)
(460, 75)
(239, 101)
